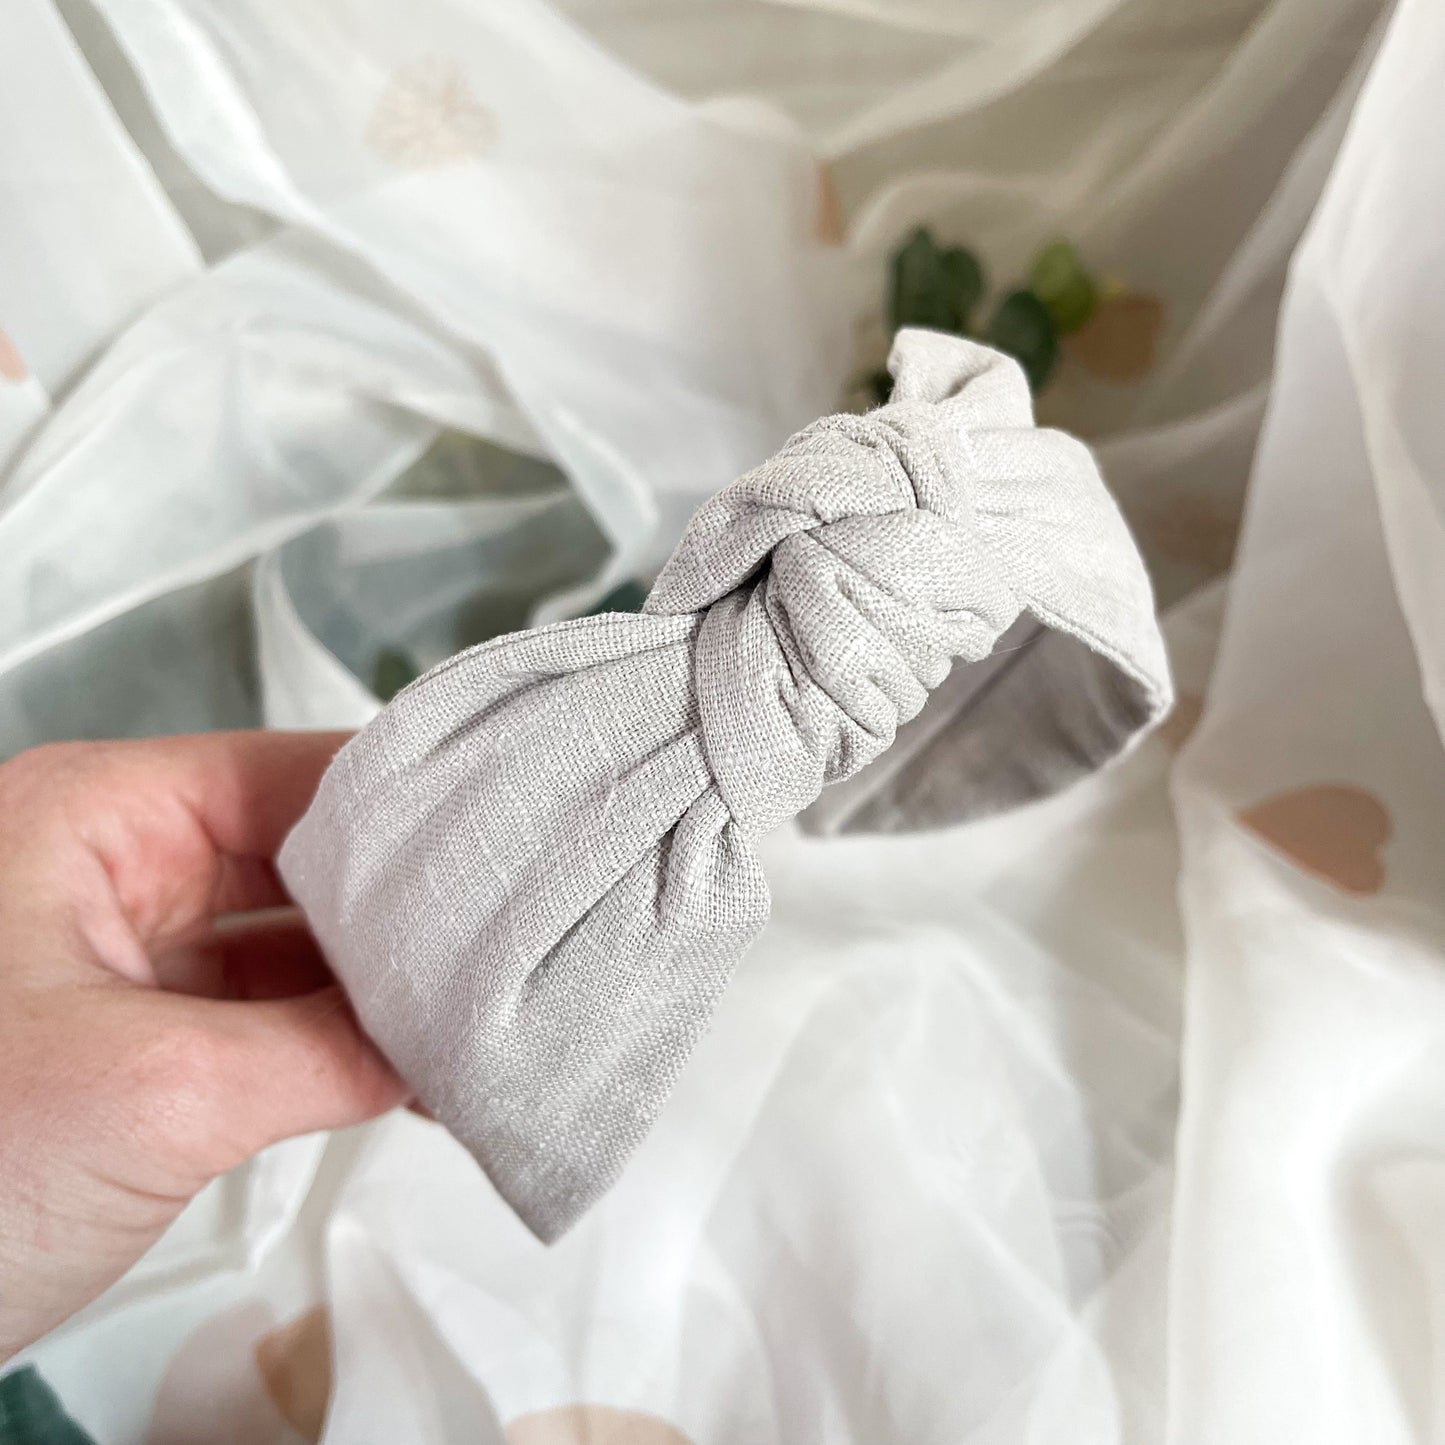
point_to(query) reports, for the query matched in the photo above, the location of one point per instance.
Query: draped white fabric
(1116, 1120)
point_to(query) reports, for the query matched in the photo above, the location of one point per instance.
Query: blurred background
(336, 337)
(343, 338)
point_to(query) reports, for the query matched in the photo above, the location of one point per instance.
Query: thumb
(288, 1066)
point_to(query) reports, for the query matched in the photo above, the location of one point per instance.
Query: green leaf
(932, 287)
(917, 296)
(963, 275)
(1066, 289)
(625, 597)
(391, 672)
(1023, 328)
(31, 1413)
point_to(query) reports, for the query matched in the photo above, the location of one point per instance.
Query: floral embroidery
(427, 116)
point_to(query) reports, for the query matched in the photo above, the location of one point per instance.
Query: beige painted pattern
(1183, 718)
(1198, 530)
(12, 364)
(830, 228)
(211, 1390)
(1336, 831)
(295, 1365)
(592, 1425)
(427, 116)
(1119, 340)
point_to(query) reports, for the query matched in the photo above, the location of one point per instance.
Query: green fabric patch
(31, 1413)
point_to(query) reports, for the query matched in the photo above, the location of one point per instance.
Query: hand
(146, 1047)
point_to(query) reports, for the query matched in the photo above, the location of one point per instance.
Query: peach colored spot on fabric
(1201, 531)
(829, 226)
(12, 364)
(295, 1365)
(427, 116)
(210, 1389)
(1183, 718)
(1334, 830)
(1118, 341)
(592, 1425)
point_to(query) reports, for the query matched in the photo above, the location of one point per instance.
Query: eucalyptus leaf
(919, 296)
(393, 670)
(31, 1413)
(1023, 328)
(625, 597)
(1065, 287)
(963, 274)
(933, 287)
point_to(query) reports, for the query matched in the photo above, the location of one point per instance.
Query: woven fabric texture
(534, 872)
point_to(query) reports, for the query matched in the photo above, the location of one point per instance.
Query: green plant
(393, 670)
(625, 597)
(934, 287)
(940, 287)
(1022, 327)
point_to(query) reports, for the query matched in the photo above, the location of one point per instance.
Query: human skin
(161, 1018)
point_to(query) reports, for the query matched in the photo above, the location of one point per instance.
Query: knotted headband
(535, 872)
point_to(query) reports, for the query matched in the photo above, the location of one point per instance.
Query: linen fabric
(534, 872)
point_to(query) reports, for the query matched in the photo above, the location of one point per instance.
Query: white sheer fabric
(928, 1178)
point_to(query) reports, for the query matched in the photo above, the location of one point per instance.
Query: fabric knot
(534, 871)
(840, 580)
